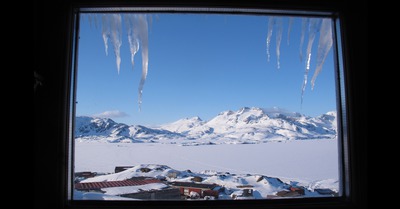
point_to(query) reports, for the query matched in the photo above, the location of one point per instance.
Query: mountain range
(247, 125)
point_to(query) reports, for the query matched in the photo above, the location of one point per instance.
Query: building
(80, 176)
(299, 190)
(326, 192)
(163, 194)
(121, 168)
(85, 174)
(188, 188)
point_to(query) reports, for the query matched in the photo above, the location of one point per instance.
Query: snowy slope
(107, 130)
(247, 125)
(184, 125)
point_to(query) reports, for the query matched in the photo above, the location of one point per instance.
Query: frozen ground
(309, 162)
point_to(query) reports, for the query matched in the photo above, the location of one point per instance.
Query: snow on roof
(133, 189)
(96, 196)
(195, 185)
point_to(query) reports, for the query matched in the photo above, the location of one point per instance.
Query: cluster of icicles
(137, 29)
(313, 26)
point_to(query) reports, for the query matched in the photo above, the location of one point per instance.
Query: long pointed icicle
(313, 29)
(137, 29)
(116, 37)
(143, 34)
(279, 25)
(314, 25)
(112, 29)
(324, 45)
(133, 35)
(269, 34)
(105, 30)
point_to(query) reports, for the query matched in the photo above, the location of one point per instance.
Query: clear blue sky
(199, 65)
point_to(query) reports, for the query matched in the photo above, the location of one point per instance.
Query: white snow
(301, 160)
(247, 141)
(183, 125)
(156, 170)
(247, 125)
(78, 195)
(265, 168)
(133, 189)
(327, 183)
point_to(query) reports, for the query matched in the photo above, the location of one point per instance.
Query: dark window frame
(352, 198)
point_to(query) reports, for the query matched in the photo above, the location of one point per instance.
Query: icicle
(112, 29)
(133, 37)
(269, 34)
(116, 37)
(289, 29)
(143, 35)
(324, 45)
(279, 25)
(304, 22)
(105, 31)
(314, 26)
(137, 29)
(313, 29)
(303, 88)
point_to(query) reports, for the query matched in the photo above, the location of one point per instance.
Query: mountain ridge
(246, 125)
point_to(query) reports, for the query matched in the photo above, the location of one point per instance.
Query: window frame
(347, 198)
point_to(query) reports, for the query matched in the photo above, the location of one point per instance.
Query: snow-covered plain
(308, 162)
(270, 150)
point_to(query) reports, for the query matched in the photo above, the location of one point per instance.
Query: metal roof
(123, 183)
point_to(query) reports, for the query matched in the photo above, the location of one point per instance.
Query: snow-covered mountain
(247, 125)
(107, 130)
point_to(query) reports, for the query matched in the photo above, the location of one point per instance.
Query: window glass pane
(205, 106)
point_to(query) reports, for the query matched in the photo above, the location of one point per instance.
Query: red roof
(105, 184)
